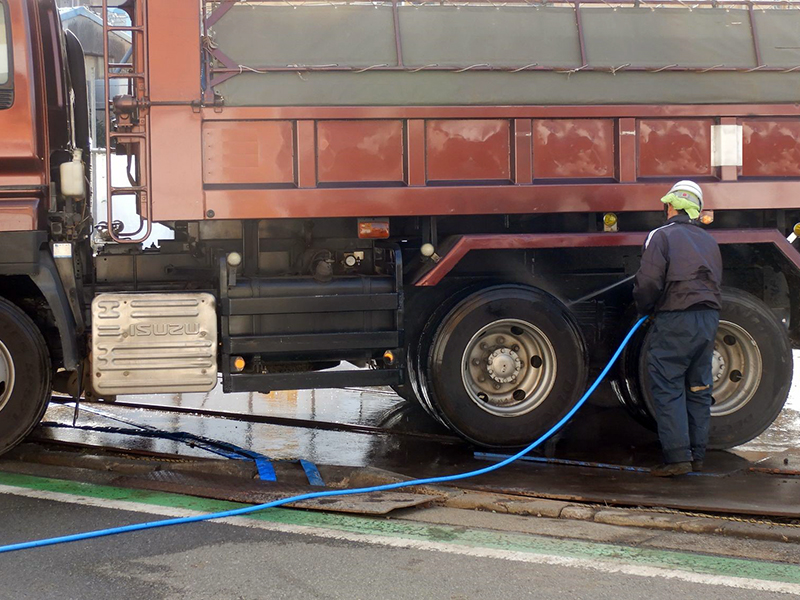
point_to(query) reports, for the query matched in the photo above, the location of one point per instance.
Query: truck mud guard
(26, 253)
(455, 248)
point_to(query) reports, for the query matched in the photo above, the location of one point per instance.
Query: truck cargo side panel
(771, 148)
(466, 150)
(360, 151)
(573, 149)
(174, 75)
(177, 163)
(249, 152)
(675, 148)
(303, 168)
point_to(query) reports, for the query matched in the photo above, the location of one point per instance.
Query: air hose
(325, 494)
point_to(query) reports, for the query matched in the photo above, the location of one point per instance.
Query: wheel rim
(736, 369)
(509, 367)
(6, 375)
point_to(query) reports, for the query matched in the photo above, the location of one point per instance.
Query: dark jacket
(681, 269)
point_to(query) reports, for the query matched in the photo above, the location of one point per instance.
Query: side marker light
(373, 230)
(707, 217)
(610, 221)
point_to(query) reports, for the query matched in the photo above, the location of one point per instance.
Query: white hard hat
(689, 190)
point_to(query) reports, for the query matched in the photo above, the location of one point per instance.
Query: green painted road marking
(463, 536)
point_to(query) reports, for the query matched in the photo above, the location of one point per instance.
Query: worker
(678, 285)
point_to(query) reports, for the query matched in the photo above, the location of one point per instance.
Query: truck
(442, 197)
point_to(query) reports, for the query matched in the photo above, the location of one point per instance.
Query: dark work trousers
(679, 352)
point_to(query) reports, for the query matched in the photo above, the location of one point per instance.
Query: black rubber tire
(419, 308)
(448, 394)
(762, 409)
(419, 352)
(33, 376)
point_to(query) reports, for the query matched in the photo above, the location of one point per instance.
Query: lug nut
(483, 346)
(501, 339)
(481, 378)
(515, 348)
(476, 361)
(497, 386)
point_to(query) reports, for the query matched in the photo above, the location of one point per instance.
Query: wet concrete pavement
(602, 432)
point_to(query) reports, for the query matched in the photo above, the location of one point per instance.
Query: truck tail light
(369, 229)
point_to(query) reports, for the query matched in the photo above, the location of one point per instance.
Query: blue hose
(378, 488)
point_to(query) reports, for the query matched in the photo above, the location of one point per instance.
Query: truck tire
(752, 372)
(505, 365)
(25, 375)
(419, 352)
(424, 309)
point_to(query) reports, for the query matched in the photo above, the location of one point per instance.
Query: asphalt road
(295, 554)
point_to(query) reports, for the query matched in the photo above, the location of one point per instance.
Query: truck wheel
(505, 365)
(752, 370)
(25, 375)
(418, 357)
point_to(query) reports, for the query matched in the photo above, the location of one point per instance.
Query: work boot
(697, 466)
(671, 469)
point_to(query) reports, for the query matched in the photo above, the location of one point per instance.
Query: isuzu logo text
(164, 329)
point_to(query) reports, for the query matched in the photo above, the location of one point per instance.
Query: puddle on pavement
(603, 433)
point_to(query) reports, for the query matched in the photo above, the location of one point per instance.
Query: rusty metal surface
(771, 148)
(739, 493)
(675, 148)
(238, 152)
(356, 151)
(567, 148)
(468, 150)
(786, 463)
(174, 74)
(257, 492)
(177, 177)
(234, 203)
(578, 111)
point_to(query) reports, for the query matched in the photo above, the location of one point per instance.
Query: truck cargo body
(445, 194)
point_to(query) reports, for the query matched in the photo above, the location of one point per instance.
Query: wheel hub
(509, 367)
(503, 365)
(736, 368)
(718, 366)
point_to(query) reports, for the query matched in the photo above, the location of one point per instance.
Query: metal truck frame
(452, 222)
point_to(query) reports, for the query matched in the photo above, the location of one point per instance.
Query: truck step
(312, 380)
(312, 342)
